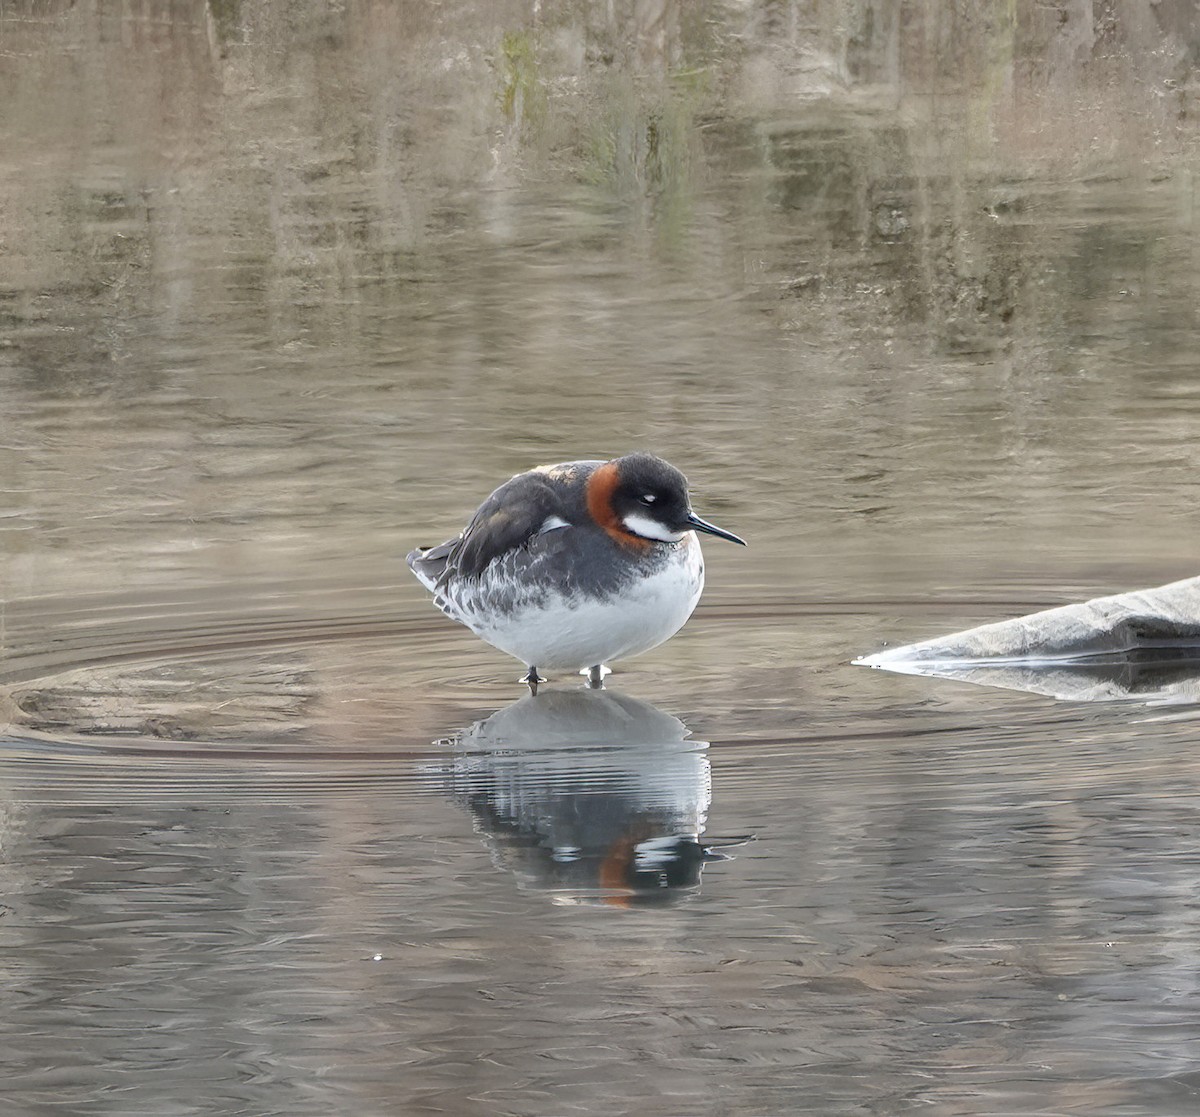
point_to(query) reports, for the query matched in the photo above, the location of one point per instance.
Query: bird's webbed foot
(531, 678)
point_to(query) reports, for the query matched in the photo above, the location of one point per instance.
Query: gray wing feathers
(509, 518)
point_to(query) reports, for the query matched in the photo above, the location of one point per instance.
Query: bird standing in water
(576, 565)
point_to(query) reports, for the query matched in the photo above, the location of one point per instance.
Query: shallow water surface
(911, 297)
(859, 893)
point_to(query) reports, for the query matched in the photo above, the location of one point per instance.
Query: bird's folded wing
(513, 515)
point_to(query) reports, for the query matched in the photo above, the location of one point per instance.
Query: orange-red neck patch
(600, 489)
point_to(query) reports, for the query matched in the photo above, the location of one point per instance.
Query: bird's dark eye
(647, 499)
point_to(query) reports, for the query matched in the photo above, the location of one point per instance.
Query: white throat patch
(651, 529)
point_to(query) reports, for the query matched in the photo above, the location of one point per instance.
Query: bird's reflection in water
(589, 795)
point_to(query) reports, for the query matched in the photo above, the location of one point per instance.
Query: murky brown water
(911, 295)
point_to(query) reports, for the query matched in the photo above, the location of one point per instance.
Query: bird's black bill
(698, 524)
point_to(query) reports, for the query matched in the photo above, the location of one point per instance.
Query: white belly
(580, 632)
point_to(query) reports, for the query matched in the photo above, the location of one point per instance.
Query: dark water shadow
(591, 796)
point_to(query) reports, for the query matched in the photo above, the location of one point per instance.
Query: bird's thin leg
(595, 677)
(531, 678)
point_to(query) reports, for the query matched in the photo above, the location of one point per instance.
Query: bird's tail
(429, 564)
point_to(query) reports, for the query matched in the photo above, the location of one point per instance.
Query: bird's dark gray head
(650, 499)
